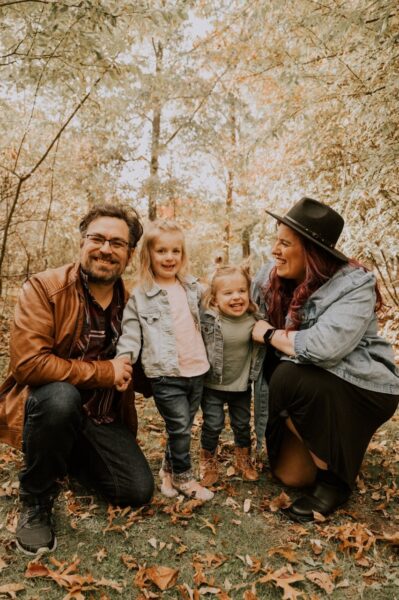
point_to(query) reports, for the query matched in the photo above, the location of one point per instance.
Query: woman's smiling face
(289, 254)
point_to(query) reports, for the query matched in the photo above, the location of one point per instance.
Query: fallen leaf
(250, 595)
(247, 505)
(343, 584)
(186, 592)
(163, 577)
(363, 562)
(129, 561)
(391, 538)
(209, 525)
(209, 590)
(316, 546)
(285, 551)
(65, 576)
(231, 502)
(3, 564)
(370, 572)
(322, 580)
(281, 501)
(199, 575)
(210, 560)
(11, 589)
(353, 536)
(284, 579)
(100, 555)
(330, 557)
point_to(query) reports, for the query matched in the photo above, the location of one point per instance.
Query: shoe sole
(39, 551)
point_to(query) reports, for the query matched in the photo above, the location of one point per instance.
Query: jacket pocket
(151, 318)
(207, 329)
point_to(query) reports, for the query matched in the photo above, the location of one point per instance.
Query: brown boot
(209, 472)
(243, 464)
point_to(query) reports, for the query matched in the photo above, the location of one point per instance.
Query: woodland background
(210, 112)
(205, 111)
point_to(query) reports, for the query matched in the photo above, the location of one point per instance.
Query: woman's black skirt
(335, 418)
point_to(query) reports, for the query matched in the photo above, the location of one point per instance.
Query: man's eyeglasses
(100, 240)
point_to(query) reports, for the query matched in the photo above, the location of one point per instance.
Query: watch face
(269, 334)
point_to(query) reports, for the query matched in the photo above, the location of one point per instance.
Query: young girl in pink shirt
(162, 320)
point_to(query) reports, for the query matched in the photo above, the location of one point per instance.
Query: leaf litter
(237, 546)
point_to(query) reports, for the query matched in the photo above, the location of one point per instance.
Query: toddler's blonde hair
(152, 231)
(209, 299)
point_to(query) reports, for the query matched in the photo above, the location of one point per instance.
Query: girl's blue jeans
(178, 399)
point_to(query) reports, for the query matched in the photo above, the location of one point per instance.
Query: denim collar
(188, 280)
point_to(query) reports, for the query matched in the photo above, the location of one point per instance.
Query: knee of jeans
(212, 429)
(139, 496)
(60, 401)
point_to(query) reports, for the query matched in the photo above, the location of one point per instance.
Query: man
(59, 398)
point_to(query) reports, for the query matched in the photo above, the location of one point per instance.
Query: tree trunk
(246, 243)
(155, 139)
(230, 178)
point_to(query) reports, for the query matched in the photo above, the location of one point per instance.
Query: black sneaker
(35, 533)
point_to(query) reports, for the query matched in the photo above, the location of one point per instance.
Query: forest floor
(238, 546)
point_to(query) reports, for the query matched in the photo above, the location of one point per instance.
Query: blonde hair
(209, 299)
(152, 231)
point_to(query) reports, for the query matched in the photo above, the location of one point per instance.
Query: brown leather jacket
(48, 320)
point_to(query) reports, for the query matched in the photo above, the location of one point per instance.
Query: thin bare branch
(200, 105)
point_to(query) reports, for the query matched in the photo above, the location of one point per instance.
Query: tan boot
(243, 464)
(209, 471)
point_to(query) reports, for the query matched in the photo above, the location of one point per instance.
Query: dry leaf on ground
(281, 501)
(322, 580)
(163, 577)
(284, 579)
(11, 589)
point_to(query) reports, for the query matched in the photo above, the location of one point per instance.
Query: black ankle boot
(35, 532)
(328, 493)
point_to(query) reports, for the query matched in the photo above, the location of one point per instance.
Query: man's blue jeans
(239, 405)
(178, 400)
(58, 438)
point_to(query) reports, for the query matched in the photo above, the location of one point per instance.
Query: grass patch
(237, 546)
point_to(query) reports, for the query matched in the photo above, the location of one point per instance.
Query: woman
(336, 381)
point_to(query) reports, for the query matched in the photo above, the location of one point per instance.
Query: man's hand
(123, 372)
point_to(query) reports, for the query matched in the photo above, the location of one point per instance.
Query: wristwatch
(268, 335)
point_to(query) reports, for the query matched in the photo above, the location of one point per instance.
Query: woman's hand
(259, 331)
(281, 339)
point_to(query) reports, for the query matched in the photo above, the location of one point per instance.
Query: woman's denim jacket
(339, 328)
(213, 338)
(147, 326)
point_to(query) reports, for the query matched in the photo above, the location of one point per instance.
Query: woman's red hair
(284, 297)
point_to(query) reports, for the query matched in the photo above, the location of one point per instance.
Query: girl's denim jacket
(147, 326)
(213, 338)
(339, 328)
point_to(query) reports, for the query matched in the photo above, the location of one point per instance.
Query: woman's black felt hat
(317, 222)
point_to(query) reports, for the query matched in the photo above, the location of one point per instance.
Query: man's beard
(94, 274)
